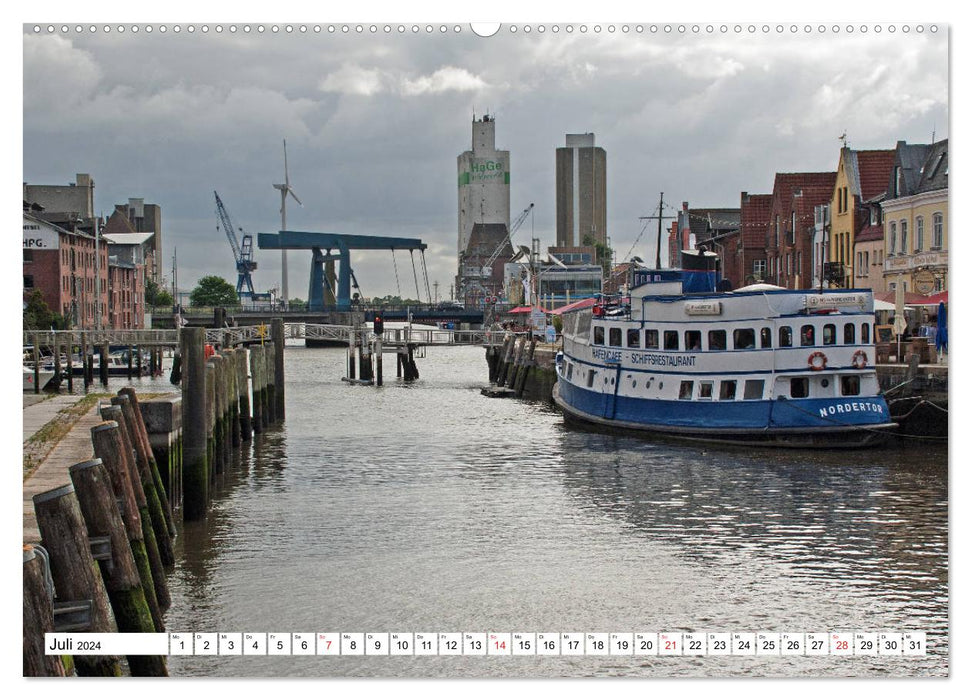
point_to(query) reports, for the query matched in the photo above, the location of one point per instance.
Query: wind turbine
(285, 189)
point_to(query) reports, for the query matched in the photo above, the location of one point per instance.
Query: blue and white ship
(757, 365)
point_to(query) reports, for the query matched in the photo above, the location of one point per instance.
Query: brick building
(749, 264)
(789, 243)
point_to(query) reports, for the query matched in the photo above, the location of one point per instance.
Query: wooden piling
(245, 421)
(525, 369)
(122, 581)
(36, 354)
(379, 351)
(155, 567)
(103, 368)
(70, 365)
(517, 359)
(212, 455)
(129, 361)
(73, 569)
(109, 447)
(155, 510)
(256, 423)
(195, 466)
(38, 617)
(235, 434)
(279, 348)
(351, 349)
(398, 358)
(57, 364)
(269, 408)
(219, 419)
(146, 447)
(264, 383)
(507, 347)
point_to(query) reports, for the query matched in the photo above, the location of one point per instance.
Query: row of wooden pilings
(217, 415)
(509, 365)
(135, 366)
(106, 542)
(370, 359)
(107, 537)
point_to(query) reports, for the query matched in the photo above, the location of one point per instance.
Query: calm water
(430, 508)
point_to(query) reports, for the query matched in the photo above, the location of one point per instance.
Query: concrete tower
(483, 182)
(581, 191)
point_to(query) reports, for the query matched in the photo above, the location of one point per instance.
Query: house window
(938, 230)
(633, 337)
(758, 268)
(650, 338)
(792, 232)
(893, 238)
(918, 234)
(903, 237)
(28, 281)
(776, 230)
(28, 256)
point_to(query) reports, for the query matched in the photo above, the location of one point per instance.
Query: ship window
(687, 387)
(692, 340)
(808, 336)
(705, 389)
(865, 333)
(785, 336)
(850, 385)
(583, 324)
(849, 334)
(744, 338)
(590, 377)
(753, 389)
(616, 337)
(670, 340)
(598, 335)
(633, 337)
(766, 335)
(650, 338)
(727, 390)
(716, 340)
(799, 387)
(829, 334)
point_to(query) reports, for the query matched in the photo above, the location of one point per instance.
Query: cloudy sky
(374, 123)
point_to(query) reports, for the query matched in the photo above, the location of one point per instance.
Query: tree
(155, 295)
(38, 315)
(604, 254)
(213, 290)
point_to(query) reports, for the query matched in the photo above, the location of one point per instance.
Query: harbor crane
(242, 253)
(487, 268)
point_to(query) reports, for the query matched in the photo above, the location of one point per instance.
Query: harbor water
(431, 508)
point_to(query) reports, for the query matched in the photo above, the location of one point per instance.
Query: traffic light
(378, 325)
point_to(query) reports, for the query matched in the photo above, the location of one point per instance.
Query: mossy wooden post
(232, 375)
(96, 497)
(507, 349)
(379, 353)
(146, 447)
(228, 372)
(525, 369)
(155, 510)
(57, 361)
(254, 362)
(211, 421)
(264, 386)
(279, 346)
(73, 570)
(242, 377)
(38, 618)
(269, 407)
(351, 345)
(109, 447)
(514, 367)
(195, 467)
(219, 451)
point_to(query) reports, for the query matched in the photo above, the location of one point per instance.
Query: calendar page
(378, 279)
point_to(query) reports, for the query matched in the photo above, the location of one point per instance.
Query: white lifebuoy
(859, 359)
(817, 361)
